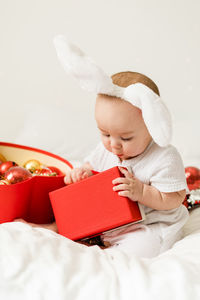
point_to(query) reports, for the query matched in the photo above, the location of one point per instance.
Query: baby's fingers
(84, 175)
(125, 172)
(77, 175)
(68, 179)
(124, 193)
(120, 180)
(121, 187)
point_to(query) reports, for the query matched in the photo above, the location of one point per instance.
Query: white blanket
(36, 264)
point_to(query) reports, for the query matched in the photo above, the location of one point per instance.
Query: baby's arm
(161, 201)
(77, 174)
(131, 187)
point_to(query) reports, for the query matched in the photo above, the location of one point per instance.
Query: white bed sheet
(38, 264)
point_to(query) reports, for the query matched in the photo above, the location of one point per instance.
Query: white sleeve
(169, 176)
(95, 158)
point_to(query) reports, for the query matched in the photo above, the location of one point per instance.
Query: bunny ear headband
(93, 79)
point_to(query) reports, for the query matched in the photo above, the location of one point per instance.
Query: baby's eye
(126, 139)
(105, 134)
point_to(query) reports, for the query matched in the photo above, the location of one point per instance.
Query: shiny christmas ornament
(17, 174)
(45, 172)
(32, 165)
(192, 174)
(193, 177)
(2, 158)
(195, 185)
(36, 172)
(4, 182)
(55, 170)
(5, 166)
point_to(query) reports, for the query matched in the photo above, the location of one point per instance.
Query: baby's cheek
(106, 144)
(103, 139)
(128, 149)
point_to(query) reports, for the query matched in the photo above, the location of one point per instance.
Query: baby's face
(123, 131)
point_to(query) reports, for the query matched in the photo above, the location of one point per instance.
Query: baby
(135, 130)
(153, 175)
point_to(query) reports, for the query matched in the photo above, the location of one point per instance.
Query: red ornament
(192, 173)
(55, 170)
(193, 177)
(5, 166)
(44, 172)
(17, 174)
(47, 172)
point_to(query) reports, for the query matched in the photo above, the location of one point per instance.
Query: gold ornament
(2, 158)
(4, 182)
(32, 165)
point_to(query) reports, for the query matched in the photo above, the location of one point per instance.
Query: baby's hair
(125, 79)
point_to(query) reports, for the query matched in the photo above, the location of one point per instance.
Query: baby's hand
(77, 174)
(128, 186)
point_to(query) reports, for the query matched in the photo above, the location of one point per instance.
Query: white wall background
(41, 106)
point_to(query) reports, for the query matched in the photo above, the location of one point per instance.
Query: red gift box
(91, 207)
(30, 199)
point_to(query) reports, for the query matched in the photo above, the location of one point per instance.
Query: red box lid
(90, 207)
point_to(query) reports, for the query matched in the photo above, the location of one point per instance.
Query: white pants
(145, 241)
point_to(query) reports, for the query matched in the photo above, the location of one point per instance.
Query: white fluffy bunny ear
(155, 114)
(90, 77)
(93, 79)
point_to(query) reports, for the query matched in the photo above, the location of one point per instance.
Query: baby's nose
(115, 144)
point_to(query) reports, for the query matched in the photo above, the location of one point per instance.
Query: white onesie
(161, 167)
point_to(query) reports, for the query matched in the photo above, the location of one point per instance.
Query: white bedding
(36, 263)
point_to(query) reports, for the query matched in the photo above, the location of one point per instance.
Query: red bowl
(30, 199)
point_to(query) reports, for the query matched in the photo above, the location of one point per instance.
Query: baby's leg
(145, 241)
(51, 226)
